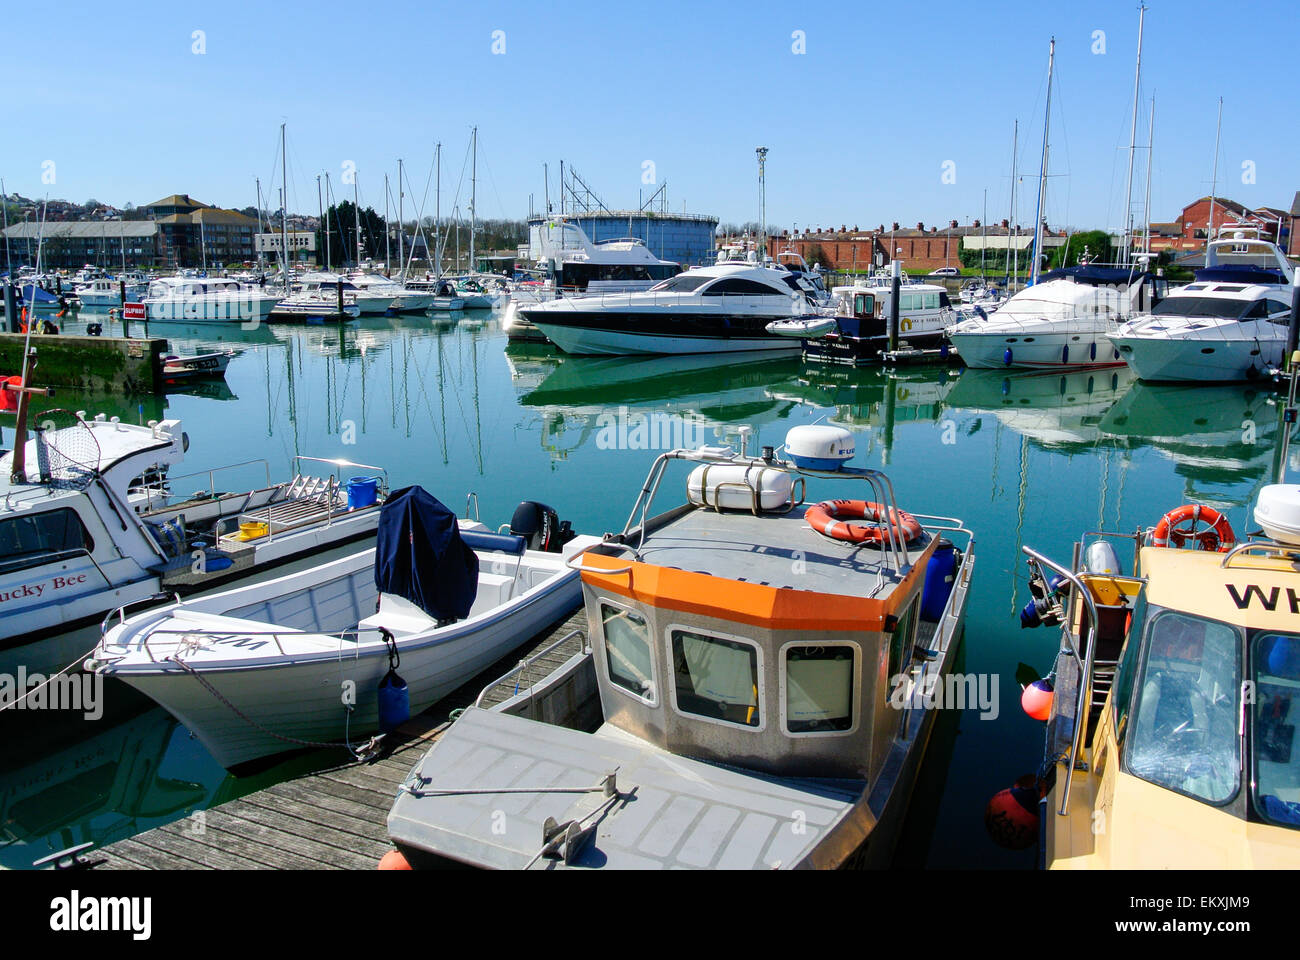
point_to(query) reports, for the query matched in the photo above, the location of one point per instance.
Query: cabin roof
(672, 811)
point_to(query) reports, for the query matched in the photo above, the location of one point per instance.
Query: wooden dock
(335, 818)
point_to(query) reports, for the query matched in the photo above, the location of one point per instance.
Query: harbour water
(442, 401)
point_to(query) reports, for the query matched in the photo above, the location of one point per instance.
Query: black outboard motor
(541, 526)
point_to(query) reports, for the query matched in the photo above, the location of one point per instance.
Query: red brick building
(921, 249)
(1191, 229)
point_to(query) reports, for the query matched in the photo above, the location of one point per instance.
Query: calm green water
(443, 402)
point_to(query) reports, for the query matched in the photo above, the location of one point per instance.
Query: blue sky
(859, 126)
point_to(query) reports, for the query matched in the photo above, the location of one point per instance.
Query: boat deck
(331, 819)
(773, 550)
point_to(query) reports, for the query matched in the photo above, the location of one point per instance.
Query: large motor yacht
(214, 299)
(713, 309)
(1230, 324)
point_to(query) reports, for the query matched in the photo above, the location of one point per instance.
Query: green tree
(1096, 243)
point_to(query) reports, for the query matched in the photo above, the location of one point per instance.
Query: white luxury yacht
(706, 310)
(1061, 321)
(405, 299)
(219, 299)
(1230, 324)
(369, 302)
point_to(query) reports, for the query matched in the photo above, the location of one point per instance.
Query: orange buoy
(1036, 700)
(1218, 536)
(393, 860)
(1011, 817)
(826, 518)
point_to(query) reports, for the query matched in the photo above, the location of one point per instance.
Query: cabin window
(932, 301)
(715, 678)
(1184, 732)
(627, 651)
(682, 283)
(900, 641)
(864, 305)
(739, 285)
(1126, 670)
(819, 688)
(1275, 660)
(41, 538)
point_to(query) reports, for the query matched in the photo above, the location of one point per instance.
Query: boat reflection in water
(1053, 409)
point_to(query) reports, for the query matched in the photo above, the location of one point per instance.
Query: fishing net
(67, 453)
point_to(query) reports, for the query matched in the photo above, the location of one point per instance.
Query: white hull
(1037, 351)
(584, 341)
(1200, 360)
(253, 308)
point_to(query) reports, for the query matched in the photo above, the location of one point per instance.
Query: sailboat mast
(356, 210)
(1127, 244)
(257, 181)
(4, 205)
(1146, 204)
(388, 231)
(1214, 180)
(437, 211)
(327, 221)
(401, 241)
(1042, 171)
(320, 206)
(473, 200)
(1013, 254)
(284, 207)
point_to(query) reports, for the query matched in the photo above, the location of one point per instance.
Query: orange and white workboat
(1171, 731)
(766, 669)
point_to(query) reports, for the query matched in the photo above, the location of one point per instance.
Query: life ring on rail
(827, 519)
(1217, 536)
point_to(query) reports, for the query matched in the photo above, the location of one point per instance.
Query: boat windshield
(1184, 732)
(1217, 307)
(682, 283)
(1275, 755)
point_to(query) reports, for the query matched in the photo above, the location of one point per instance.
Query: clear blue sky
(859, 126)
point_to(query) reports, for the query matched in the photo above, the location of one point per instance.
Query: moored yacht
(1061, 321)
(706, 310)
(757, 682)
(1230, 324)
(188, 299)
(370, 302)
(862, 318)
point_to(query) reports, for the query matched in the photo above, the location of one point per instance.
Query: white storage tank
(730, 486)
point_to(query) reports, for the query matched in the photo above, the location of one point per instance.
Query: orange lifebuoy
(826, 518)
(1217, 536)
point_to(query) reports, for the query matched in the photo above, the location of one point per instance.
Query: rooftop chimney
(920, 225)
(894, 227)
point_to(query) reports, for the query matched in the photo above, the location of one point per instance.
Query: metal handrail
(572, 563)
(163, 482)
(1268, 545)
(882, 492)
(528, 661)
(1084, 695)
(339, 464)
(121, 611)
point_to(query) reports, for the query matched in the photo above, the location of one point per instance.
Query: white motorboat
(713, 309)
(212, 299)
(93, 521)
(1230, 324)
(406, 299)
(369, 302)
(106, 292)
(299, 661)
(1061, 321)
(317, 305)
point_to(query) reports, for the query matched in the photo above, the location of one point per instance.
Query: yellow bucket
(253, 531)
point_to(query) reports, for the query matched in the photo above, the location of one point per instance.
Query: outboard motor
(541, 526)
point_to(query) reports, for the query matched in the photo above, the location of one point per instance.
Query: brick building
(191, 232)
(921, 249)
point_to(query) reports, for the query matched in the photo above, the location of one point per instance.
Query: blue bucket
(362, 492)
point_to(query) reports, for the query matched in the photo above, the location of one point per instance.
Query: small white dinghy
(803, 328)
(198, 367)
(298, 661)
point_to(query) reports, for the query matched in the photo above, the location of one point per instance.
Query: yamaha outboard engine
(540, 526)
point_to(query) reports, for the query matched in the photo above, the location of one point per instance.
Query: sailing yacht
(1230, 324)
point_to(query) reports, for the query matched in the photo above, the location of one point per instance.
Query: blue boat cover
(1240, 273)
(1087, 273)
(420, 556)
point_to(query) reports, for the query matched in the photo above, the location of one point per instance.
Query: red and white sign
(133, 311)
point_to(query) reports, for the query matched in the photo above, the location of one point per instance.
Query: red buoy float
(1011, 817)
(393, 860)
(1036, 700)
(1218, 534)
(828, 517)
